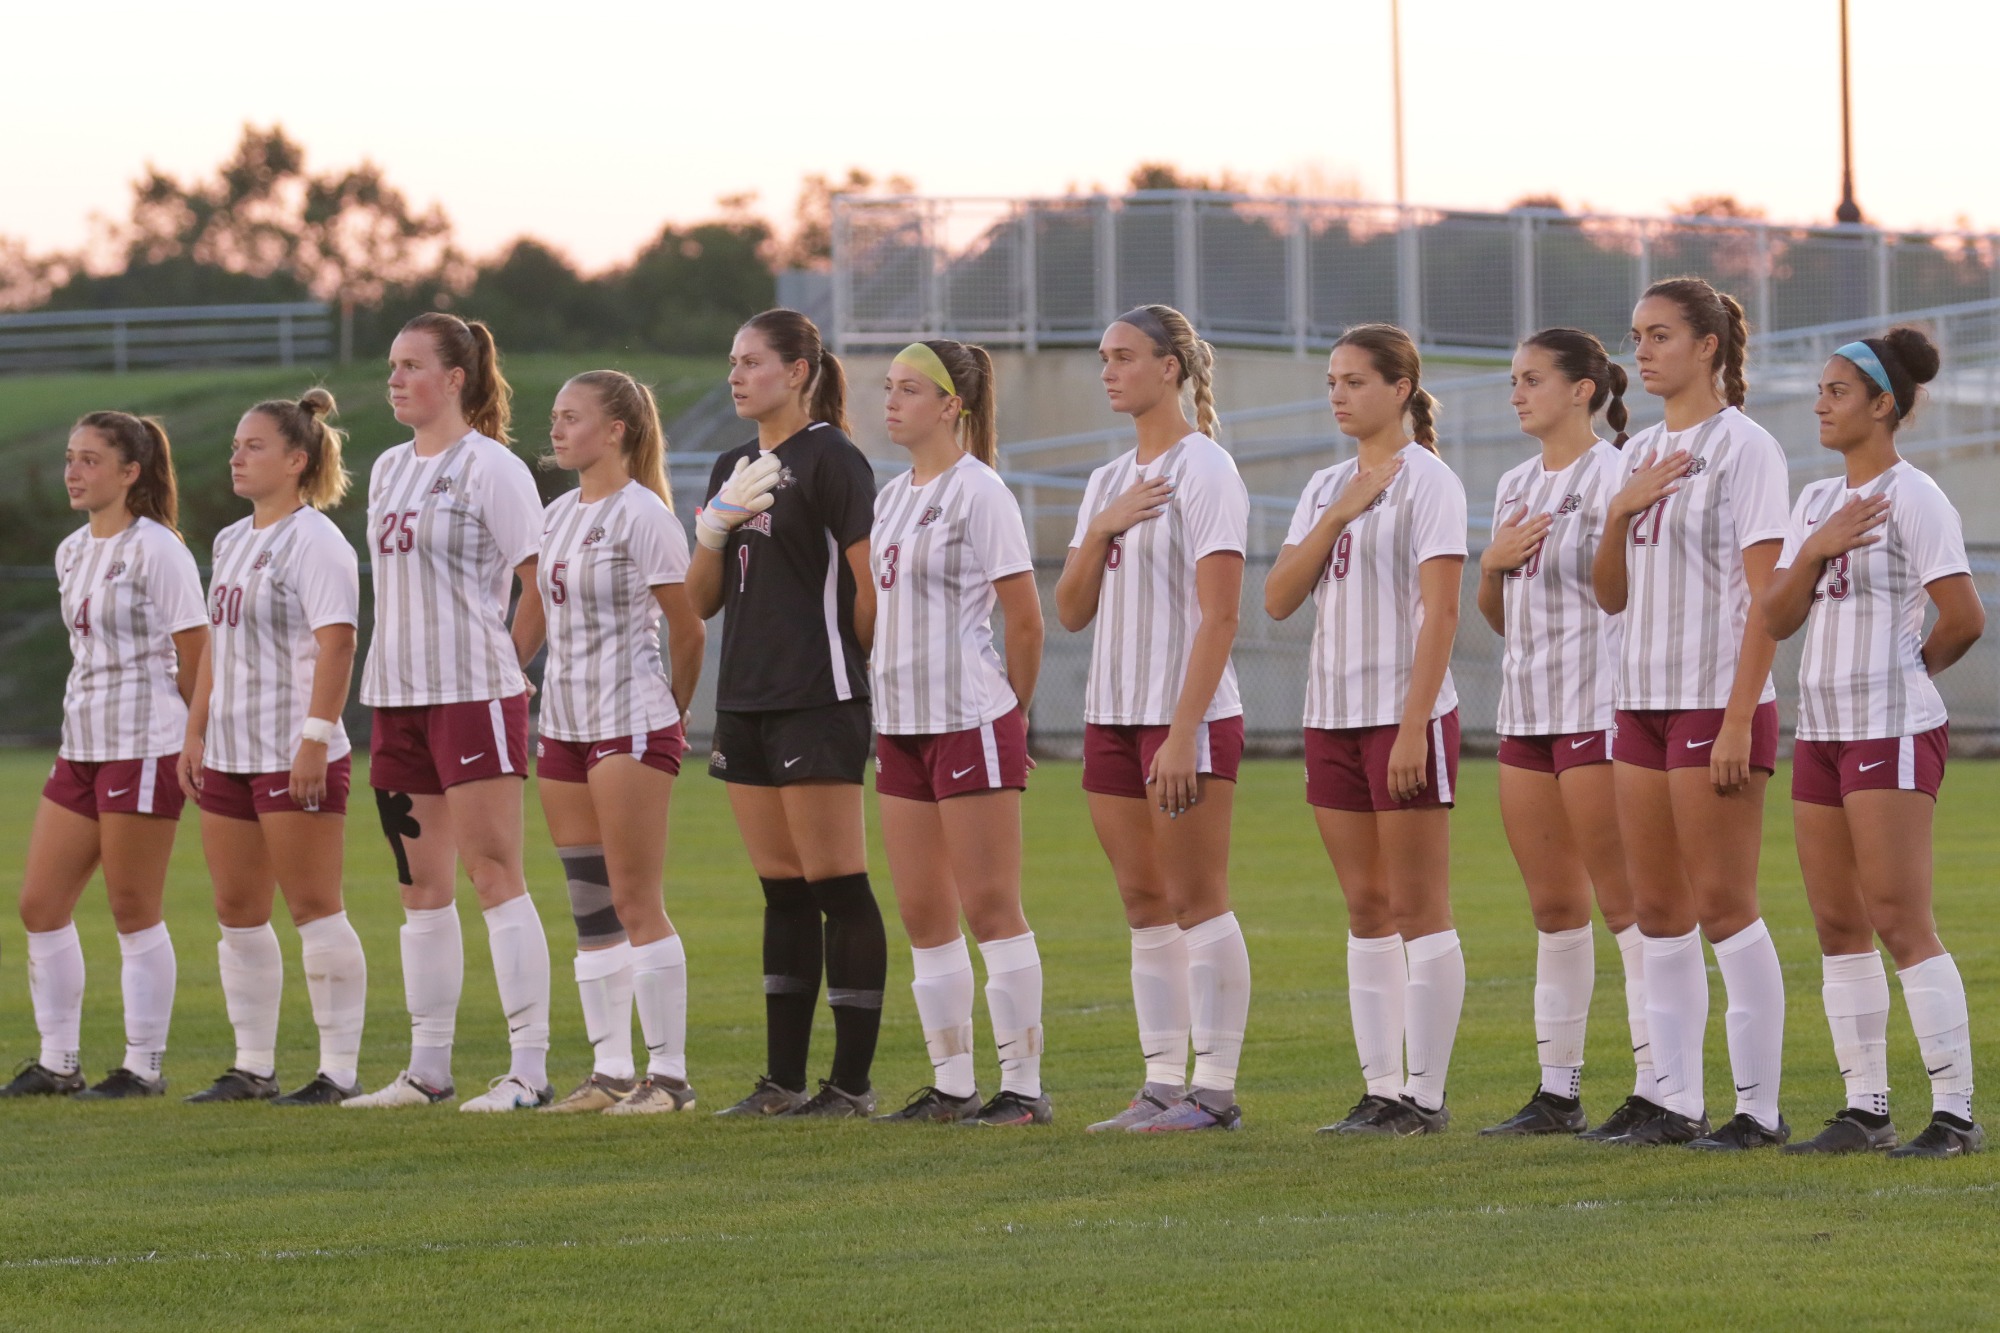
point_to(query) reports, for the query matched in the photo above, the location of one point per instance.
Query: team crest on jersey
(1696, 466)
(760, 523)
(1376, 503)
(785, 479)
(263, 560)
(442, 486)
(117, 568)
(593, 537)
(931, 515)
(1570, 504)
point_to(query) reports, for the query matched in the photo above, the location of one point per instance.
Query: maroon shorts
(118, 787)
(1824, 772)
(247, 795)
(1116, 759)
(939, 766)
(571, 761)
(421, 751)
(1557, 754)
(1670, 738)
(1348, 769)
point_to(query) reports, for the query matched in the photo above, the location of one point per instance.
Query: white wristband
(317, 730)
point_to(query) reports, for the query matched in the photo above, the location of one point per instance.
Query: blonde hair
(1173, 336)
(971, 371)
(1395, 357)
(303, 424)
(644, 447)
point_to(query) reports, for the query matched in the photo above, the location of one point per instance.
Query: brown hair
(795, 338)
(1717, 314)
(303, 425)
(142, 440)
(1172, 335)
(971, 371)
(1395, 358)
(644, 446)
(1580, 356)
(486, 398)
(1911, 359)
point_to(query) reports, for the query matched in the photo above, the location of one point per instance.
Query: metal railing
(122, 340)
(1291, 273)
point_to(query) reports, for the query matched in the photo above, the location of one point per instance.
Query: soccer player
(1557, 674)
(453, 516)
(266, 758)
(614, 561)
(1689, 543)
(131, 597)
(1867, 555)
(952, 734)
(1157, 564)
(782, 551)
(1379, 542)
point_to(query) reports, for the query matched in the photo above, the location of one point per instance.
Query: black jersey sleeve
(845, 493)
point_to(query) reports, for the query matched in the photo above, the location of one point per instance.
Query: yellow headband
(919, 357)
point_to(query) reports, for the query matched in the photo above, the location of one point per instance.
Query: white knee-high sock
(1014, 1003)
(1755, 985)
(1435, 998)
(604, 983)
(1856, 991)
(1160, 996)
(1632, 954)
(147, 977)
(1378, 980)
(1677, 1019)
(1935, 994)
(253, 981)
(1565, 973)
(337, 983)
(521, 967)
(660, 984)
(1218, 1000)
(433, 976)
(943, 987)
(55, 980)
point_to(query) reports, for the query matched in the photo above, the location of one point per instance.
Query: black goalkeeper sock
(791, 978)
(857, 967)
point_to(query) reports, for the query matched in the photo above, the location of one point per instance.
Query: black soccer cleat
(1545, 1113)
(35, 1079)
(1631, 1113)
(831, 1103)
(1850, 1131)
(322, 1091)
(1404, 1119)
(929, 1106)
(238, 1085)
(1362, 1118)
(1013, 1108)
(1740, 1133)
(1664, 1129)
(768, 1098)
(121, 1084)
(1945, 1136)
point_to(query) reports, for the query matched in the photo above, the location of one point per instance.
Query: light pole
(1396, 83)
(1849, 212)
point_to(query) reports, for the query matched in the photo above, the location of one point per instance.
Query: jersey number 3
(889, 556)
(1838, 580)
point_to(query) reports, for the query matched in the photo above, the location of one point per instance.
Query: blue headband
(1864, 358)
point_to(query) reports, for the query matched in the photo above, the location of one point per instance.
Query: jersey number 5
(398, 537)
(558, 589)
(889, 556)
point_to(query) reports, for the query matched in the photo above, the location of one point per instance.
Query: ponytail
(486, 399)
(970, 371)
(1734, 348)
(1395, 358)
(303, 425)
(1423, 418)
(793, 337)
(1718, 315)
(1579, 356)
(1615, 415)
(644, 446)
(155, 493)
(1172, 335)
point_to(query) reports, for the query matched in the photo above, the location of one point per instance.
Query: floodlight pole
(1849, 212)
(1396, 84)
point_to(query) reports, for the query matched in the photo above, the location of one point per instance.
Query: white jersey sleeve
(124, 597)
(1148, 607)
(605, 678)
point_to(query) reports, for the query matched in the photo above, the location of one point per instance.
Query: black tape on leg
(399, 823)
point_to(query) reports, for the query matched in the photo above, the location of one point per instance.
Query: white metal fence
(121, 340)
(1293, 272)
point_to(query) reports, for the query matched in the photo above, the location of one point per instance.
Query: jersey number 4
(82, 622)
(397, 537)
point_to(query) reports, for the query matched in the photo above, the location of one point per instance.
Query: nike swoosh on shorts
(469, 758)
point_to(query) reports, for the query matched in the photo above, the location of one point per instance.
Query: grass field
(159, 1214)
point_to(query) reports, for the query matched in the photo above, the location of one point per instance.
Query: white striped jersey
(1688, 598)
(937, 550)
(1559, 663)
(1148, 609)
(600, 563)
(445, 534)
(1862, 674)
(1369, 598)
(268, 591)
(124, 598)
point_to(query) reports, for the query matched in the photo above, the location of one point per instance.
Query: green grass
(158, 1214)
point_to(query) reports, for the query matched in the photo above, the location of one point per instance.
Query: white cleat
(407, 1090)
(508, 1093)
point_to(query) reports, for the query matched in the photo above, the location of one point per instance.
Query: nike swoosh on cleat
(468, 758)
(1877, 764)
(961, 773)
(1696, 745)
(114, 795)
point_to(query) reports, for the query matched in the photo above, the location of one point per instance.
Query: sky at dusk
(590, 124)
